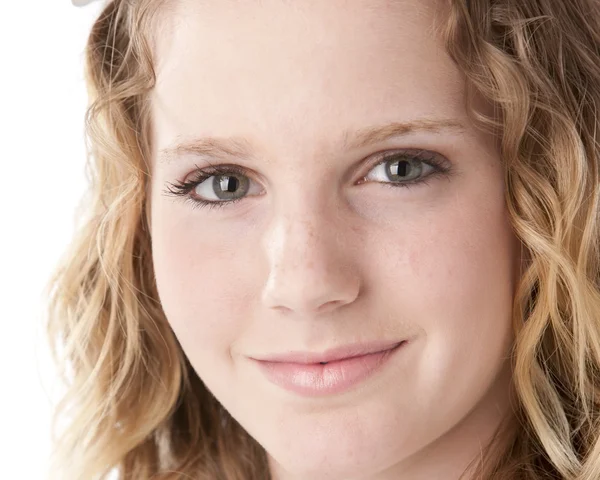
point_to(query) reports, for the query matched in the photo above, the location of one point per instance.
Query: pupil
(230, 183)
(402, 168)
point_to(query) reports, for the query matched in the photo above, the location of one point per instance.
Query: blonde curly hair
(135, 406)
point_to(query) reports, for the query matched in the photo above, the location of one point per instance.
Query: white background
(42, 159)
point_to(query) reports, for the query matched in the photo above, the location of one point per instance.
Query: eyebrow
(355, 139)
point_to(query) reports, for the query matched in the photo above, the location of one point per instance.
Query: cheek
(463, 266)
(454, 281)
(202, 282)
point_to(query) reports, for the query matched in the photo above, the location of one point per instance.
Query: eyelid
(219, 169)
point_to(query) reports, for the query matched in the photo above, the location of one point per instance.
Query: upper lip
(332, 354)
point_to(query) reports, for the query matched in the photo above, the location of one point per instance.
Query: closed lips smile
(333, 372)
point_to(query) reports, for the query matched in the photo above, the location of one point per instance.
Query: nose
(311, 266)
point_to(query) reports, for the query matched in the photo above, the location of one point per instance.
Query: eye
(405, 168)
(214, 187)
(223, 188)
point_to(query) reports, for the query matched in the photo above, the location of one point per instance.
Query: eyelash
(183, 189)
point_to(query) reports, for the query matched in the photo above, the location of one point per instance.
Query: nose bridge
(310, 269)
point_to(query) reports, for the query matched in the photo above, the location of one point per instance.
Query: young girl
(336, 240)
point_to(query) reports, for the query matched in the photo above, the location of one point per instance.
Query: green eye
(402, 169)
(224, 187)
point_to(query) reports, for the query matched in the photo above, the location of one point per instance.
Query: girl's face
(358, 206)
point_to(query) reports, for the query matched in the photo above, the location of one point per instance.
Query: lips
(332, 354)
(332, 372)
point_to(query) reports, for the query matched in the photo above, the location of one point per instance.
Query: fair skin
(311, 257)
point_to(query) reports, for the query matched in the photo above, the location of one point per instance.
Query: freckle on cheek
(415, 261)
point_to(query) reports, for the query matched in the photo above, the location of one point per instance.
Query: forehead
(296, 74)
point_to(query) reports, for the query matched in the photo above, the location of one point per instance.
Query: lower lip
(314, 379)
